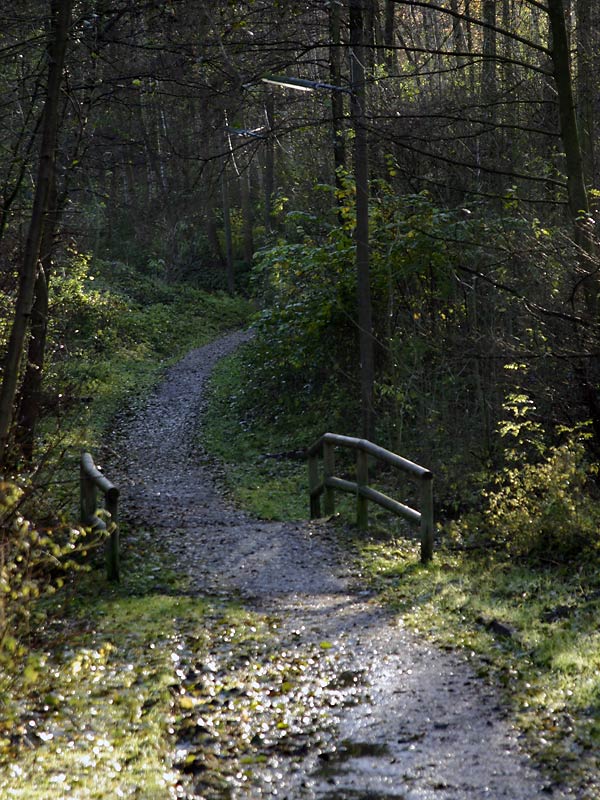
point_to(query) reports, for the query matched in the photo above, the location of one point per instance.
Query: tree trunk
(488, 150)
(60, 15)
(269, 181)
(585, 87)
(31, 391)
(578, 198)
(361, 172)
(389, 36)
(247, 214)
(337, 100)
(227, 231)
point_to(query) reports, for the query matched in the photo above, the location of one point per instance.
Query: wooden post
(87, 496)
(427, 518)
(113, 564)
(329, 471)
(313, 484)
(362, 479)
(92, 479)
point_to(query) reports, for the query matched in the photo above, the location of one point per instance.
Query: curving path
(416, 722)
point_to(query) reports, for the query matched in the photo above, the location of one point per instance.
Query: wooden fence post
(313, 483)
(364, 493)
(427, 518)
(113, 564)
(329, 472)
(87, 496)
(91, 479)
(362, 479)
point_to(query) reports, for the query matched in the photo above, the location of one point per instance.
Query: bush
(34, 560)
(541, 503)
(545, 509)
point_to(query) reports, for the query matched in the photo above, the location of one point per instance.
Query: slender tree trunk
(60, 15)
(269, 181)
(247, 214)
(509, 145)
(578, 198)
(227, 231)
(31, 391)
(337, 98)
(586, 95)
(361, 171)
(389, 36)
(489, 94)
(212, 203)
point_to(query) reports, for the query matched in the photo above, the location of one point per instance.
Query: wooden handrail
(92, 479)
(364, 493)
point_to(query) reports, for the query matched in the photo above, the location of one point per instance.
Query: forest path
(365, 708)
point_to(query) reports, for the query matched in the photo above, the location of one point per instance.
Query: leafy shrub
(540, 503)
(33, 561)
(545, 509)
(307, 339)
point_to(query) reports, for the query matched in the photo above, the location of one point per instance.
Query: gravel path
(424, 727)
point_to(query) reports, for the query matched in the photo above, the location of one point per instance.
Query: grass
(260, 474)
(532, 630)
(95, 714)
(90, 721)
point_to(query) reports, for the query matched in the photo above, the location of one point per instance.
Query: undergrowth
(113, 333)
(264, 456)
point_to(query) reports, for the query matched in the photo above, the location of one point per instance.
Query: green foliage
(540, 503)
(306, 338)
(425, 321)
(545, 509)
(34, 560)
(111, 331)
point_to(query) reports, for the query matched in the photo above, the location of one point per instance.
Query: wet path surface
(401, 719)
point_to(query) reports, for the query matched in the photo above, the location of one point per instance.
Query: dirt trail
(410, 721)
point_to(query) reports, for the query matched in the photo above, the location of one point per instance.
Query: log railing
(91, 480)
(326, 485)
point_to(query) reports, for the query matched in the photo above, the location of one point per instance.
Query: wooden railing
(329, 482)
(91, 479)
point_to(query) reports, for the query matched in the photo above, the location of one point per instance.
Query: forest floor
(309, 688)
